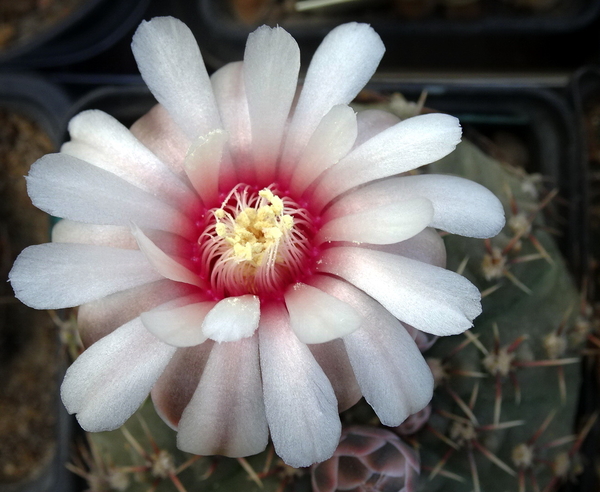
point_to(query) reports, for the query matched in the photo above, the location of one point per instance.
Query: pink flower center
(257, 242)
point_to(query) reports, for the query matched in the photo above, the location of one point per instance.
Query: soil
(29, 345)
(20, 20)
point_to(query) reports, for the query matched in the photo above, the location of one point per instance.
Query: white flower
(245, 251)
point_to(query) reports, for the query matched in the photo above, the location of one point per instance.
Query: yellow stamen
(255, 232)
(257, 243)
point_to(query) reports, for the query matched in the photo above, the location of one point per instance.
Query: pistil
(256, 244)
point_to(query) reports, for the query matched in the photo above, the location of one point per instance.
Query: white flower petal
(177, 384)
(98, 318)
(228, 86)
(340, 68)
(202, 164)
(460, 206)
(171, 65)
(226, 415)
(385, 224)
(299, 401)
(100, 139)
(409, 144)
(317, 317)
(56, 276)
(427, 246)
(180, 326)
(67, 187)
(427, 297)
(162, 262)
(331, 141)
(233, 318)
(370, 122)
(392, 374)
(333, 359)
(271, 65)
(159, 133)
(68, 231)
(111, 379)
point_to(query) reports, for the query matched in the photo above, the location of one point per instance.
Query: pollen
(255, 233)
(257, 242)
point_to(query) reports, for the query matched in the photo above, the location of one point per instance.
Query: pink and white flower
(247, 251)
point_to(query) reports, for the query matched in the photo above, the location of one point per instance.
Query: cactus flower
(370, 459)
(247, 250)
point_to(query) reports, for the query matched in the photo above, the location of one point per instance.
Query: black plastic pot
(126, 103)
(494, 42)
(43, 102)
(585, 94)
(585, 89)
(45, 105)
(90, 29)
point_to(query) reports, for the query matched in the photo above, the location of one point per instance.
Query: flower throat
(257, 243)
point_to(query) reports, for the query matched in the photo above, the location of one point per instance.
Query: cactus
(496, 384)
(143, 456)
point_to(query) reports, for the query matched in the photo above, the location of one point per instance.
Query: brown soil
(29, 347)
(20, 20)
